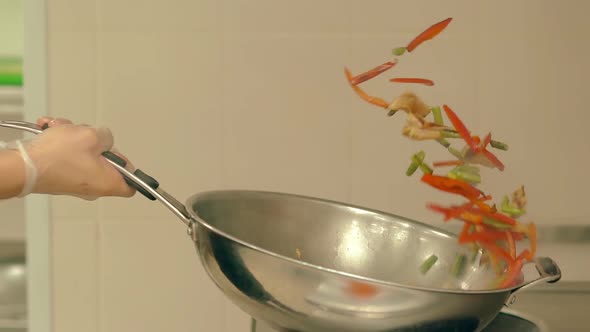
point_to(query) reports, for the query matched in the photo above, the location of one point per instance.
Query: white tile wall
(151, 280)
(241, 94)
(75, 274)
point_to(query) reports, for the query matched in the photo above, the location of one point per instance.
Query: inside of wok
(343, 238)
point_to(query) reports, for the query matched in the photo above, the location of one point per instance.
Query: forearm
(12, 174)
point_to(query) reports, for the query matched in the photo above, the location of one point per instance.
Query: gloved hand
(66, 159)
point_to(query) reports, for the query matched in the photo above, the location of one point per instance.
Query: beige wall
(11, 27)
(251, 94)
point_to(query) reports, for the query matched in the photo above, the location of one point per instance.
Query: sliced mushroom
(410, 103)
(418, 129)
(519, 198)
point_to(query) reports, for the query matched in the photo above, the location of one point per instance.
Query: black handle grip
(150, 181)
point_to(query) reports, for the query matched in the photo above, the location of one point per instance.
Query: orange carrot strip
(361, 289)
(523, 255)
(412, 80)
(360, 78)
(511, 244)
(533, 241)
(428, 34)
(448, 163)
(373, 100)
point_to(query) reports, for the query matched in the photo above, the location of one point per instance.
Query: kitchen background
(216, 94)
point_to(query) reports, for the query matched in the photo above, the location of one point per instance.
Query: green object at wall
(11, 71)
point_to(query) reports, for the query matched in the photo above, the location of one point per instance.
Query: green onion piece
(494, 223)
(444, 142)
(513, 211)
(437, 115)
(458, 266)
(420, 155)
(449, 134)
(505, 202)
(510, 209)
(417, 159)
(425, 168)
(465, 176)
(412, 168)
(455, 153)
(428, 263)
(467, 168)
(465, 173)
(398, 51)
(499, 145)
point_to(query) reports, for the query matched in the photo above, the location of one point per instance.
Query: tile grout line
(350, 110)
(98, 314)
(221, 91)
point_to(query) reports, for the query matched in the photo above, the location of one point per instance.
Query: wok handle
(150, 181)
(549, 272)
(139, 180)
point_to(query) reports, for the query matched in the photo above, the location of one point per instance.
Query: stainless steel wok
(294, 261)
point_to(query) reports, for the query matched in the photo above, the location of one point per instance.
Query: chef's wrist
(12, 174)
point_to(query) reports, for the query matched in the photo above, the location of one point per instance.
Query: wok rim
(194, 216)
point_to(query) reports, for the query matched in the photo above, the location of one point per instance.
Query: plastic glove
(66, 159)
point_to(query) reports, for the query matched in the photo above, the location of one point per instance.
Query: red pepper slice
(493, 159)
(502, 218)
(428, 34)
(412, 80)
(486, 141)
(446, 211)
(493, 248)
(483, 206)
(464, 235)
(517, 236)
(460, 128)
(473, 142)
(455, 186)
(360, 78)
(458, 212)
(496, 216)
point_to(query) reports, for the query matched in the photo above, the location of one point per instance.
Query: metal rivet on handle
(512, 299)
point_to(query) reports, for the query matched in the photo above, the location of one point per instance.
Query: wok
(295, 262)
